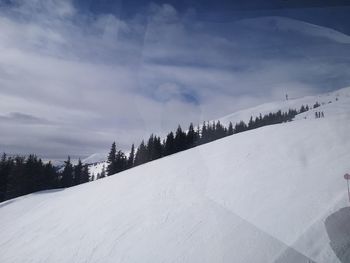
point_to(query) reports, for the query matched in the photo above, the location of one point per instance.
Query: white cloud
(97, 78)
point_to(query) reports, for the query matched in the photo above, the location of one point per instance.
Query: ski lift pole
(347, 177)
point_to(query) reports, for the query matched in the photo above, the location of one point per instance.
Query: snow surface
(291, 103)
(96, 162)
(96, 169)
(266, 195)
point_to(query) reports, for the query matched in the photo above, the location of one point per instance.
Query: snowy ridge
(285, 105)
(265, 195)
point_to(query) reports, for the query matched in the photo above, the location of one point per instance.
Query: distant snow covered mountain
(95, 158)
(273, 194)
(96, 163)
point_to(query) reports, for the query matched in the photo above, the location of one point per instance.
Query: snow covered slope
(97, 161)
(274, 194)
(292, 103)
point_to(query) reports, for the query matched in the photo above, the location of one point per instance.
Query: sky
(77, 75)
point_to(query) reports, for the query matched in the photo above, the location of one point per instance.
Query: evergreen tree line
(155, 148)
(21, 175)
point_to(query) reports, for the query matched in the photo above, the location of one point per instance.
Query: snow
(292, 103)
(96, 168)
(96, 162)
(274, 194)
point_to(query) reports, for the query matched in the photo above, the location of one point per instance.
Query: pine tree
(198, 135)
(180, 140)
(4, 173)
(230, 129)
(204, 134)
(251, 123)
(85, 175)
(16, 179)
(261, 120)
(120, 162)
(131, 158)
(191, 139)
(141, 154)
(67, 174)
(111, 160)
(78, 172)
(211, 132)
(169, 147)
(157, 148)
(50, 176)
(150, 148)
(240, 127)
(32, 175)
(220, 131)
